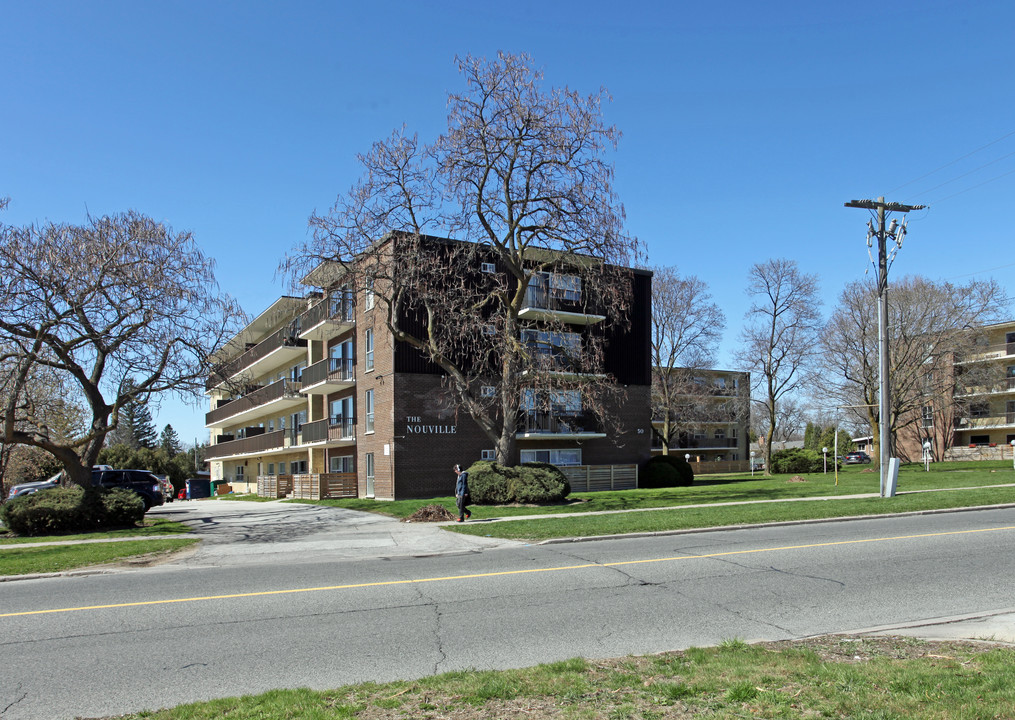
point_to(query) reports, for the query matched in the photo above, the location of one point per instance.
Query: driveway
(239, 533)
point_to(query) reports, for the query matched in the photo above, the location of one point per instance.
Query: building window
(979, 410)
(488, 267)
(239, 473)
(979, 440)
(561, 458)
(928, 416)
(340, 464)
(369, 401)
(271, 468)
(490, 455)
(368, 341)
(368, 299)
(281, 468)
(370, 468)
(487, 391)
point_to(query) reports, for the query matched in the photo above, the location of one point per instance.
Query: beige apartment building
(315, 390)
(714, 422)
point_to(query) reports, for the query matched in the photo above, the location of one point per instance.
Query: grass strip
(833, 676)
(720, 516)
(153, 527)
(57, 558)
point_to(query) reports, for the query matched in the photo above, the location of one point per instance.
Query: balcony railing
(257, 443)
(985, 421)
(553, 424)
(330, 369)
(557, 301)
(285, 337)
(316, 431)
(261, 396)
(341, 428)
(336, 309)
(988, 352)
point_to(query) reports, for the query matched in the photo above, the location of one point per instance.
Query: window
(368, 300)
(281, 468)
(720, 433)
(979, 410)
(561, 458)
(488, 455)
(979, 440)
(488, 267)
(558, 286)
(370, 469)
(271, 468)
(340, 464)
(239, 473)
(368, 355)
(302, 466)
(369, 402)
(928, 416)
(487, 391)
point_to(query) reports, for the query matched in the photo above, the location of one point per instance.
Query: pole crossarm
(881, 204)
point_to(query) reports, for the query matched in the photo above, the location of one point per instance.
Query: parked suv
(857, 458)
(144, 483)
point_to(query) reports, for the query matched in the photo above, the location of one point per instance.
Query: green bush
(797, 460)
(494, 484)
(72, 510)
(538, 483)
(488, 483)
(663, 471)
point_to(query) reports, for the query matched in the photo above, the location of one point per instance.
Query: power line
(949, 164)
(970, 172)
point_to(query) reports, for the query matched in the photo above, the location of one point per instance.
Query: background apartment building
(713, 421)
(317, 387)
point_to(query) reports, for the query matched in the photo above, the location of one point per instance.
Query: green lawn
(828, 677)
(57, 558)
(153, 527)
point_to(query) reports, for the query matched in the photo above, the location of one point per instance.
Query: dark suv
(146, 484)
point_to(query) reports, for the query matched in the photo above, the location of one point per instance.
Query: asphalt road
(257, 609)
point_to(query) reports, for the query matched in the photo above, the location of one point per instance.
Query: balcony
(1005, 385)
(988, 352)
(700, 444)
(329, 317)
(278, 348)
(558, 364)
(270, 399)
(255, 445)
(987, 422)
(544, 304)
(329, 375)
(542, 426)
(331, 432)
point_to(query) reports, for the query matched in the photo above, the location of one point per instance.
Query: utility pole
(896, 233)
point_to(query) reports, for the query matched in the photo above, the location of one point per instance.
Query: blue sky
(746, 125)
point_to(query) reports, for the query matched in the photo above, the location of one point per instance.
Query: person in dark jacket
(462, 494)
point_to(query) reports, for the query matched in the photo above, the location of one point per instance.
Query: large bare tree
(929, 325)
(120, 309)
(779, 338)
(686, 329)
(520, 179)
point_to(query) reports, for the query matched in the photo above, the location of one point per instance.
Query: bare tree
(686, 329)
(929, 324)
(119, 297)
(779, 338)
(521, 181)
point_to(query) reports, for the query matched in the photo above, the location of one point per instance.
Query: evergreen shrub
(493, 484)
(797, 460)
(72, 510)
(663, 471)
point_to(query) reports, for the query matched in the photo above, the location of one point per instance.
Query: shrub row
(530, 483)
(798, 460)
(72, 510)
(663, 471)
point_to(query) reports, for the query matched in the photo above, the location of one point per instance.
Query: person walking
(462, 494)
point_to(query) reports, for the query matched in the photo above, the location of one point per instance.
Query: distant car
(857, 458)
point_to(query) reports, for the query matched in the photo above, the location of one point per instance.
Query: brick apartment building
(316, 387)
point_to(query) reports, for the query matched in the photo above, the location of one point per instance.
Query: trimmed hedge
(664, 471)
(72, 510)
(531, 483)
(798, 460)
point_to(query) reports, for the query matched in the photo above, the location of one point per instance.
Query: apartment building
(316, 388)
(712, 421)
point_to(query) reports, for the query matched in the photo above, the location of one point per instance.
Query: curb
(783, 523)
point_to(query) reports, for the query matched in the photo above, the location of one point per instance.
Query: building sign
(414, 425)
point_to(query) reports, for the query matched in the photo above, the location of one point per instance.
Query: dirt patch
(797, 479)
(430, 513)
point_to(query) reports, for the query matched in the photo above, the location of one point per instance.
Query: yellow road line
(473, 576)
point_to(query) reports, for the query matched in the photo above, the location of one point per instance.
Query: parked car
(34, 487)
(857, 458)
(144, 483)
